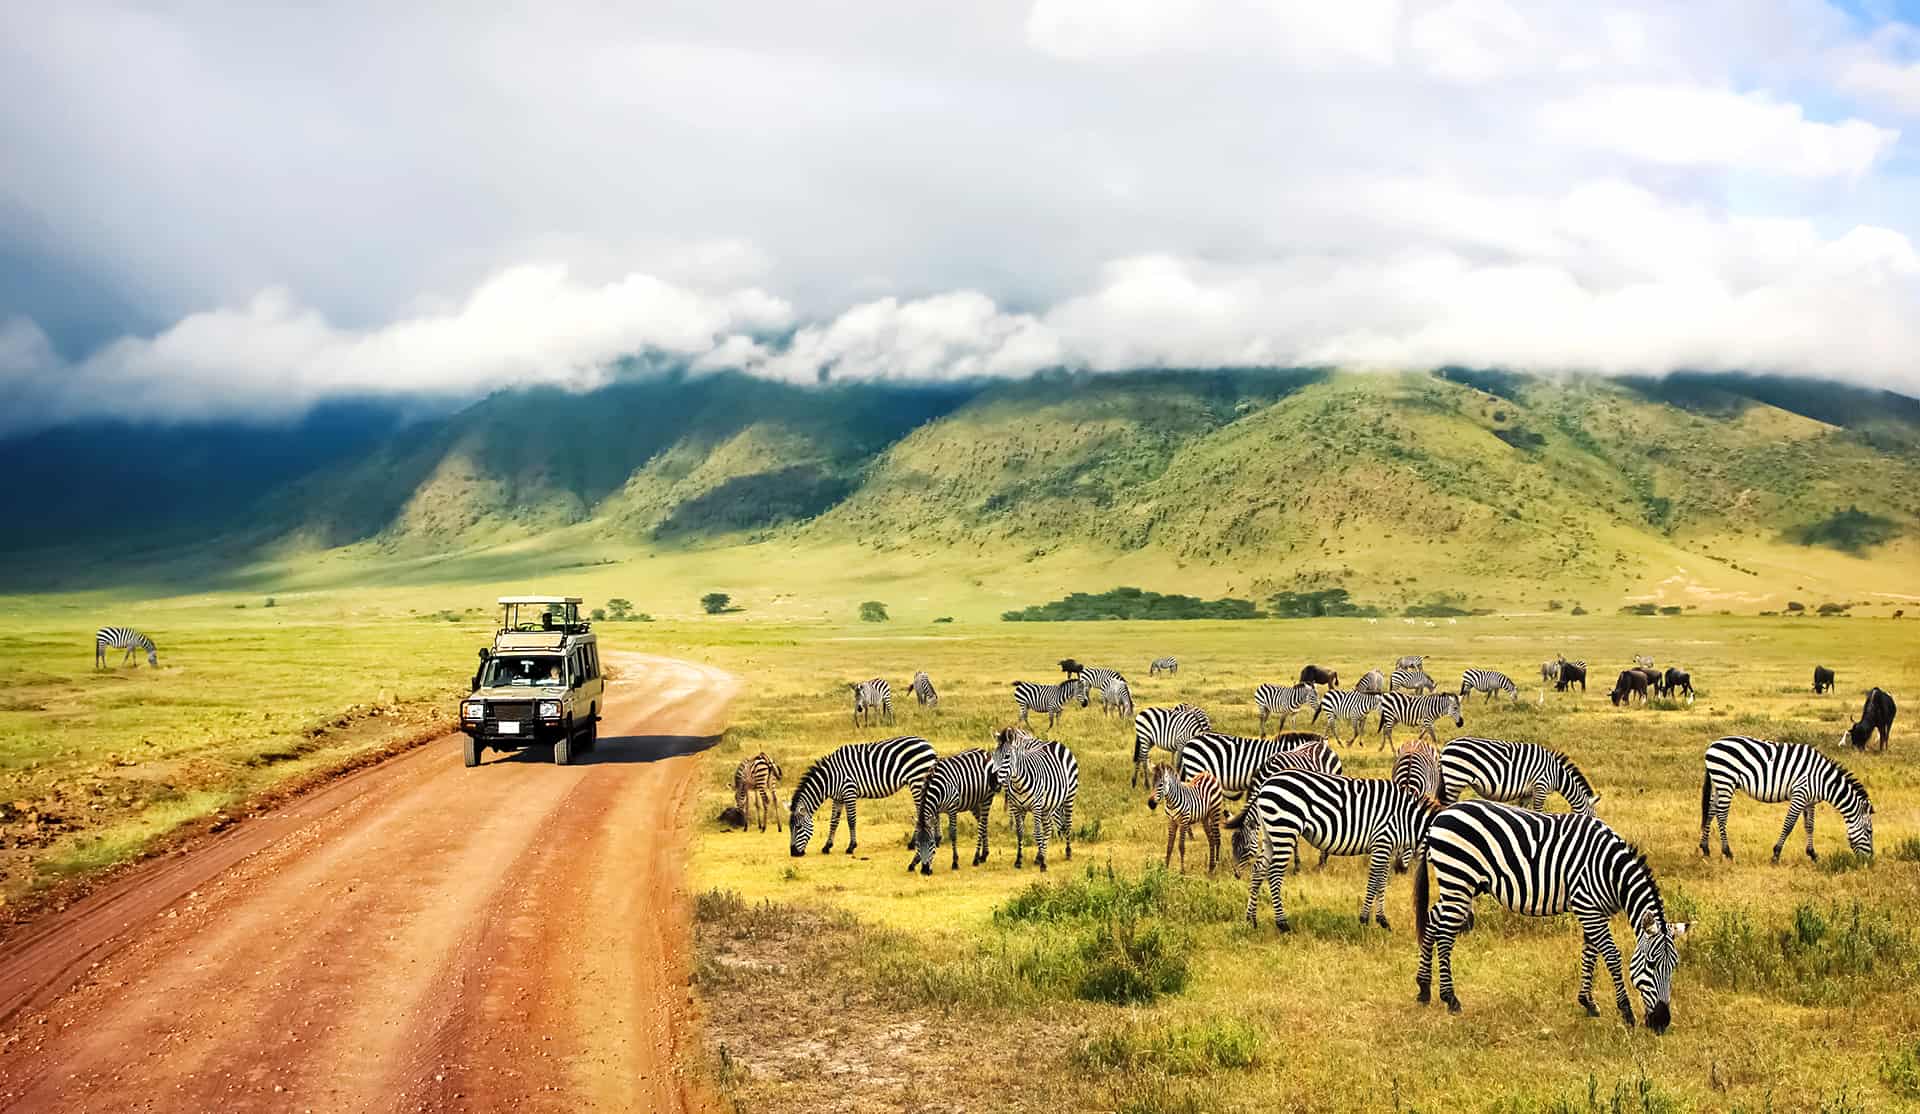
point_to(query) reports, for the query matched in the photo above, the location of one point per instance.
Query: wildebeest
(1314, 675)
(1822, 678)
(1569, 675)
(1632, 683)
(1875, 715)
(1676, 679)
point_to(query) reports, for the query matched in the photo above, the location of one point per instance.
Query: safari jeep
(539, 683)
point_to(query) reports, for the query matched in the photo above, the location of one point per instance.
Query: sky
(211, 211)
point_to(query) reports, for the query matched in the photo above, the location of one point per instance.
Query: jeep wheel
(590, 738)
(472, 749)
(563, 746)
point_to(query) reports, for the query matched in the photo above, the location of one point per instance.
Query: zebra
(121, 638)
(1549, 673)
(1339, 815)
(1513, 773)
(849, 773)
(1488, 681)
(1775, 772)
(1116, 697)
(1170, 729)
(1096, 677)
(1416, 768)
(1051, 699)
(1541, 865)
(1163, 665)
(923, 690)
(963, 782)
(1372, 681)
(758, 779)
(1644, 661)
(1345, 705)
(1041, 778)
(1241, 764)
(1195, 800)
(1411, 661)
(1410, 678)
(1282, 701)
(1400, 707)
(871, 695)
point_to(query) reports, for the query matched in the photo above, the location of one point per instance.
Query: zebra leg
(1263, 723)
(774, 796)
(1283, 853)
(1040, 825)
(1064, 825)
(1019, 839)
(1539, 801)
(953, 836)
(1806, 817)
(1376, 895)
(1173, 826)
(853, 837)
(1256, 874)
(980, 821)
(833, 827)
(1603, 939)
(1447, 920)
(1589, 953)
(1213, 843)
(1723, 804)
(1793, 817)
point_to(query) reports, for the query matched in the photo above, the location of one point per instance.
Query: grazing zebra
(1041, 778)
(1169, 729)
(758, 779)
(923, 690)
(1241, 764)
(869, 696)
(121, 638)
(1775, 772)
(1400, 707)
(1542, 865)
(1372, 681)
(1488, 681)
(1051, 699)
(1197, 800)
(1410, 678)
(1163, 665)
(1644, 661)
(964, 782)
(850, 773)
(1116, 697)
(1411, 661)
(1348, 706)
(1282, 701)
(1416, 768)
(1514, 773)
(1339, 815)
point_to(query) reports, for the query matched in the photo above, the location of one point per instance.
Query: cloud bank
(205, 214)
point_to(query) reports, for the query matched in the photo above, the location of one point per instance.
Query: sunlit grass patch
(1186, 1048)
(1812, 956)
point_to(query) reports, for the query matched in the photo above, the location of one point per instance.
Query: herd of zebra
(1498, 841)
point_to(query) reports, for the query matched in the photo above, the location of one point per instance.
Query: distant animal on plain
(756, 784)
(923, 690)
(870, 697)
(1571, 673)
(1168, 666)
(1488, 681)
(1314, 675)
(1822, 678)
(1281, 700)
(1051, 699)
(1644, 661)
(1372, 682)
(1631, 683)
(1676, 680)
(121, 638)
(1411, 661)
(1875, 715)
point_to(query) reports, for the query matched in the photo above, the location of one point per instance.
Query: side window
(593, 661)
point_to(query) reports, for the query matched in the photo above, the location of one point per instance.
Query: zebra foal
(757, 780)
(1197, 800)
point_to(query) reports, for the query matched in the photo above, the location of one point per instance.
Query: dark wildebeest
(1822, 678)
(1876, 715)
(1069, 666)
(1676, 679)
(1314, 675)
(1632, 683)
(1570, 673)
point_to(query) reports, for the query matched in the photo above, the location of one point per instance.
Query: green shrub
(1670, 609)
(1842, 862)
(1316, 604)
(270, 602)
(1639, 609)
(1131, 960)
(1850, 531)
(1102, 894)
(713, 603)
(873, 611)
(1907, 850)
(1132, 603)
(1900, 1071)
(1194, 1048)
(1812, 958)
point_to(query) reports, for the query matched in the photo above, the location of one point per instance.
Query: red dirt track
(414, 936)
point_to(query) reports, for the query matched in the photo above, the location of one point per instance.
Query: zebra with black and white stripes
(869, 697)
(1345, 706)
(1775, 772)
(1339, 815)
(1040, 779)
(1542, 865)
(1195, 800)
(963, 782)
(1515, 773)
(923, 691)
(1168, 729)
(1416, 768)
(1283, 701)
(1488, 681)
(1116, 698)
(1240, 764)
(122, 638)
(756, 781)
(1401, 707)
(1031, 696)
(1168, 666)
(1097, 677)
(849, 774)
(1410, 679)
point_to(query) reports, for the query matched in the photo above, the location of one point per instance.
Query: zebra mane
(815, 773)
(1637, 864)
(1574, 770)
(1851, 781)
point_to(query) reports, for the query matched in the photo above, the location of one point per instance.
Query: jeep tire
(473, 749)
(563, 746)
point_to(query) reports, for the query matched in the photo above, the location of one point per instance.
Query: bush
(944, 619)
(1639, 609)
(1577, 610)
(1908, 850)
(1191, 1049)
(714, 602)
(1834, 608)
(1900, 1071)
(1796, 605)
(599, 614)
(1131, 960)
(1313, 605)
(873, 611)
(617, 608)
(1670, 609)
(269, 603)
(1812, 959)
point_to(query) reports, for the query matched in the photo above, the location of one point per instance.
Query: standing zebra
(1410, 678)
(923, 690)
(1030, 696)
(1339, 815)
(1411, 661)
(1416, 768)
(871, 696)
(1348, 706)
(1095, 677)
(1116, 697)
(121, 638)
(1514, 773)
(1241, 764)
(1372, 681)
(1197, 800)
(1169, 729)
(1775, 772)
(964, 782)
(1544, 864)
(1163, 665)
(758, 779)
(1644, 661)
(1488, 681)
(1400, 707)
(1282, 701)
(1040, 778)
(850, 773)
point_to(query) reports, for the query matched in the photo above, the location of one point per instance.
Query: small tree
(269, 602)
(617, 608)
(716, 602)
(873, 611)
(599, 614)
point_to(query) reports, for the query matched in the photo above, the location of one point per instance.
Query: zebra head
(1851, 799)
(1006, 754)
(926, 831)
(1075, 688)
(802, 803)
(1651, 969)
(799, 831)
(1246, 836)
(1161, 778)
(1453, 703)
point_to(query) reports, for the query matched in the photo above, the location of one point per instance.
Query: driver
(549, 674)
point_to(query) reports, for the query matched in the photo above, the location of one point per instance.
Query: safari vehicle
(540, 682)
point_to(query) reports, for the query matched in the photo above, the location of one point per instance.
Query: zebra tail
(1706, 799)
(1420, 895)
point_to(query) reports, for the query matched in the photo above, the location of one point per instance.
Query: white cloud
(1312, 35)
(1694, 126)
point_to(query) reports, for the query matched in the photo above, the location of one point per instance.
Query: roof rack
(521, 614)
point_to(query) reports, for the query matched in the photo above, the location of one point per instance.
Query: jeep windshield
(524, 670)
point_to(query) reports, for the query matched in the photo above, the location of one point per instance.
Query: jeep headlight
(474, 709)
(549, 709)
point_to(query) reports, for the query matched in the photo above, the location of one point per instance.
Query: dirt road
(416, 936)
